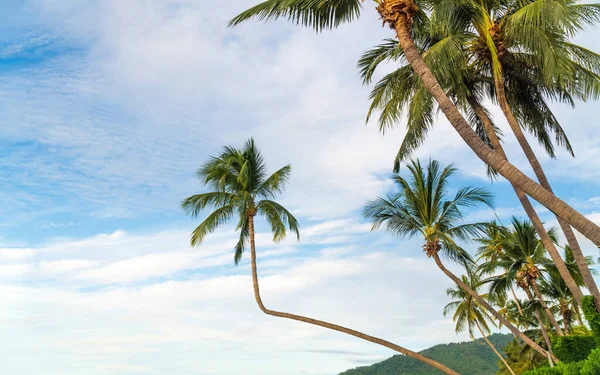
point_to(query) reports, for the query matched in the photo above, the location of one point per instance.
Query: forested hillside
(468, 358)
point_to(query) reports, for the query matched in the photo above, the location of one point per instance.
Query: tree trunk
(516, 301)
(541, 176)
(327, 325)
(549, 314)
(542, 329)
(578, 315)
(566, 315)
(494, 348)
(401, 24)
(529, 210)
(489, 308)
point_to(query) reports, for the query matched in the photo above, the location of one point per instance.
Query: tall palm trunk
(528, 207)
(327, 325)
(494, 348)
(516, 301)
(547, 311)
(398, 13)
(489, 308)
(542, 329)
(541, 176)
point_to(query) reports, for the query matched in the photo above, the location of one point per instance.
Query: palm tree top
(240, 186)
(467, 310)
(423, 206)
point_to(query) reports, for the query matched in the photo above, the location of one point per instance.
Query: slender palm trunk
(566, 315)
(516, 300)
(489, 308)
(397, 14)
(541, 177)
(528, 207)
(542, 329)
(494, 348)
(547, 311)
(327, 325)
(578, 315)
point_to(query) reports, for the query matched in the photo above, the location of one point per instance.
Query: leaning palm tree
(401, 16)
(468, 314)
(240, 187)
(422, 207)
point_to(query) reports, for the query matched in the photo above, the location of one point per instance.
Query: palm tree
(468, 314)
(554, 287)
(399, 15)
(422, 208)
(449, 44)
(492, 250)
(525, 261)
(531, 39)
(241, 188)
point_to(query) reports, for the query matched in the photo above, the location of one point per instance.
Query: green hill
(468, 358)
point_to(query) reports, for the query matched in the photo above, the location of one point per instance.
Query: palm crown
(422, 207)
(467, 312)
(240, 188)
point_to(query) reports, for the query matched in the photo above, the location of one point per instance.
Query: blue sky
(108, 108)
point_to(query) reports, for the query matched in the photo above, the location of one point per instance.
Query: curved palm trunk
(494, 348)
(542, 329)
(541, 176)
(547, 311)
(396, 13)
(489, 308)
(528, 207)
(331, 326)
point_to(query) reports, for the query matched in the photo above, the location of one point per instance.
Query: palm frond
(316, 14)
(217, 218)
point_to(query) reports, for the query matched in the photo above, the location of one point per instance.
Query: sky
(107, 110)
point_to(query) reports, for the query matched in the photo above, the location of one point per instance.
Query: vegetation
(468, 358)
(574, 348)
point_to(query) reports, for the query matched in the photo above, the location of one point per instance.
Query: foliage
(240, 187)
(591, 366)
(592, 316)
(423, 207)
(467, 358)
(520, 357)
(468, 314)
(559, 369)
(573, 348)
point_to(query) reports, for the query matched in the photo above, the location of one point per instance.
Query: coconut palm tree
(553, 287)
(400, 15)
(468, 314)
(240, 187)
(422, 207)
(525, 261)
